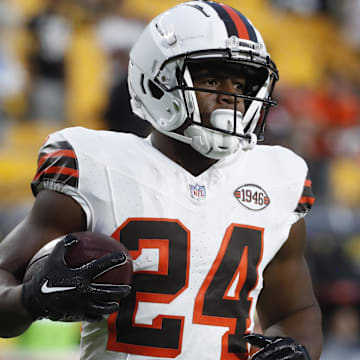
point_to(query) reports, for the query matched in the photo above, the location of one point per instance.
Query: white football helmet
(190, 35)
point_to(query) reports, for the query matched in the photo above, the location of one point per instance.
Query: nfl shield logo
(197, 192)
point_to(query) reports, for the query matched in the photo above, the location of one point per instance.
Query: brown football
(91, 246)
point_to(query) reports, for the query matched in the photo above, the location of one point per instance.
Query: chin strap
(211, 143)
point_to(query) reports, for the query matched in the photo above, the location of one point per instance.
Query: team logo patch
(197, 192)
(252, 196)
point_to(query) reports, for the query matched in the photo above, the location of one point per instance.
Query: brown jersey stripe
(303, 208)
(66, 162)
(58, 175)
(57, 163)
(59, 145)
(307, 192)
(55, 178)
(55, 170)
(307, 198)
(58, 153)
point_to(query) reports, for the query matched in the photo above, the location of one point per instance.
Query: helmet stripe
(235, 22)
(239, 24)
(243, 19)
(228, 21)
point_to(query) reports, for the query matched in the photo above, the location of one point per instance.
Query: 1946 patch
(252, 196)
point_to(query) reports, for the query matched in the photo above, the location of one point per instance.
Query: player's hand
(276, 348)
(61, 293)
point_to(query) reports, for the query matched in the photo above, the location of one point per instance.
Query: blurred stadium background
(63, 63)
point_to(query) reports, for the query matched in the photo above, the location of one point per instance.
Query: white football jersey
(199, 244)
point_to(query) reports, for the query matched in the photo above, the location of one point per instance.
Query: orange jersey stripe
(307, 183)
(67, 153)
(307, 199)
(58, 170)
(240, 26)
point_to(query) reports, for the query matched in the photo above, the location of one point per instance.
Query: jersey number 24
(222, 300)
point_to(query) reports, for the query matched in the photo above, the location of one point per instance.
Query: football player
(213, 220)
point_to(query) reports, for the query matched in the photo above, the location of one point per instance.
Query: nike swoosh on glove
(61, 293)
(276, 348)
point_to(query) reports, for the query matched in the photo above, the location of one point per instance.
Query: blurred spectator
(12, 74)
(12, 82)
(303, 7)
(117, 34)
(344, 172)
(351, 22)
(51, 32)
(332, 108)
(343, 138)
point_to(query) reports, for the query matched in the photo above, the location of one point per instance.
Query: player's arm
(287, 306)
(53, 214)
(75, 297)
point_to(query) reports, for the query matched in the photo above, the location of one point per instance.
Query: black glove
(61, 293)
(276, 348)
